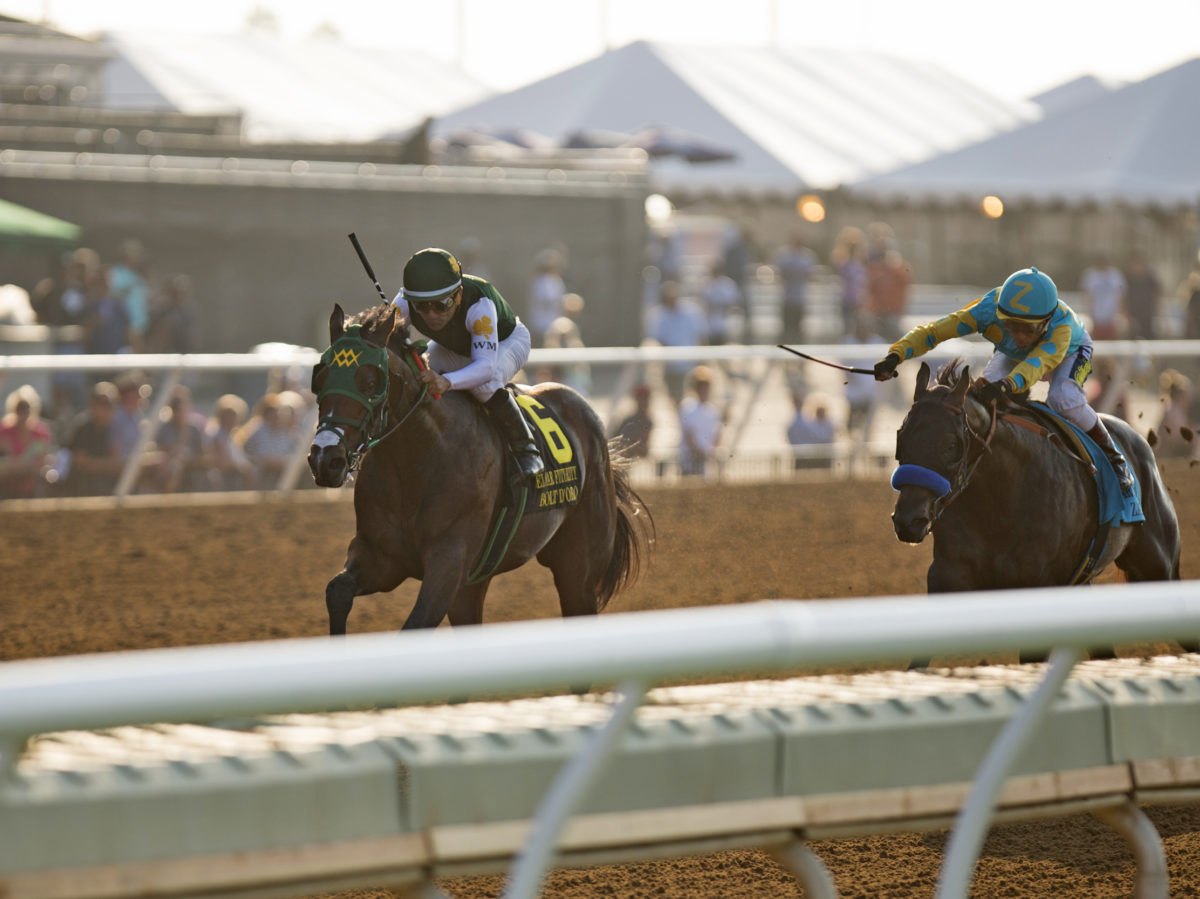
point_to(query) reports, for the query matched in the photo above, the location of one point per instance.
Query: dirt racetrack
(102, 580)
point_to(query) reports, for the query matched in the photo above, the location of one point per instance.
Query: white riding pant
(511, 355)
(1066, 396)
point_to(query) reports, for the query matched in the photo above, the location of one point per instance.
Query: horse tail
(634, 531)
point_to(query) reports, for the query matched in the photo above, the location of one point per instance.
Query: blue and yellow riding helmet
(1027, 295)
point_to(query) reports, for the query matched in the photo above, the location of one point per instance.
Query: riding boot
(503, 409)
(1100, 434)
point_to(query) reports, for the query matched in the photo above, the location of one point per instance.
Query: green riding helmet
(431, 274)
(1028, 295)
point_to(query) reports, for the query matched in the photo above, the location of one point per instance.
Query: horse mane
(949, 372)
(371, 319)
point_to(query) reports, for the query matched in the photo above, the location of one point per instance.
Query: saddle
(1114, 508)
(556, 487)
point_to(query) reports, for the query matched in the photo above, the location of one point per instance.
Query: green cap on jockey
(431, 274)
(1028, 295)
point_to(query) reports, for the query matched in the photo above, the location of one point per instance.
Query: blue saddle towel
(1115, 507)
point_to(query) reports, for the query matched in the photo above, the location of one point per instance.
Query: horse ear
(959, 391)
(922, 381)
(337, 322)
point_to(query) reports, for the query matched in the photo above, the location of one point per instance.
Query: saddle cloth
(1115, 507)
(555, 488)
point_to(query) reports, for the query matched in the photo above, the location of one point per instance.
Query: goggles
(438, 305)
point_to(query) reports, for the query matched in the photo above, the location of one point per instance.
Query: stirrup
(529, 461)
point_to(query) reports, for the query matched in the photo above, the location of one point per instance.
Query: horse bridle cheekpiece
(947, 490)
(343, 363)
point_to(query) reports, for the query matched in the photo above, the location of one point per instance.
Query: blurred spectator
(26, 447)
(797, 265)
(1143, 290)
(231, 467)
(270, 439)
(676, 321)
(700, 425)
(1104, 286)
(633, 432)
(132, 392)
(888, 282)
(862, 391)
(65, 306)
(180, 440)
(546, 291)
(93, 463)
(173, 318)
(665, 251)
(564, 334)
(106, 329)
(737, 254)
(1174, 431)
(127, 281)
(721, 296)
(1189, 295)
(849, 262)
(810, 426)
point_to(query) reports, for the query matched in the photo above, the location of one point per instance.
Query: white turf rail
(195, 801)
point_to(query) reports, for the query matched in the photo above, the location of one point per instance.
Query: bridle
(948, 490)
(340, 364)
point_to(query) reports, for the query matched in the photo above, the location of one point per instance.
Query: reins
(948, 491)
(965, 472)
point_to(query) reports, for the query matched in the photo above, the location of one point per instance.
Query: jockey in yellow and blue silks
(1037, 336)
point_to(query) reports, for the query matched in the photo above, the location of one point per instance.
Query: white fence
(757, 401)
(635, 649)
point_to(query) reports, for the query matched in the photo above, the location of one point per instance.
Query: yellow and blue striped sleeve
(1043, 359)
(923, 338)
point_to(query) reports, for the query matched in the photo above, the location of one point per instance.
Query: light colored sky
(1014, 48)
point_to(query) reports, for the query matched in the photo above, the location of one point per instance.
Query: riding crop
(857, 371)
(362, 257)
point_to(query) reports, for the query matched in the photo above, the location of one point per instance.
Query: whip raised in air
(857, 371)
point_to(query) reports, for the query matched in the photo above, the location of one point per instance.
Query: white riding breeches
(1065, 396)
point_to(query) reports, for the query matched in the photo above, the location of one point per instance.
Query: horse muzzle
(913, 515)
(329, 465)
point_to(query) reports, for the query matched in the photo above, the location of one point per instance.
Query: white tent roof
(795, 117)
(1138, 143)
(314, 89)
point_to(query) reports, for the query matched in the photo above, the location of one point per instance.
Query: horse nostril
(337, 466)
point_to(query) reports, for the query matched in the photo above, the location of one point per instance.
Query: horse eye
(367, 381)
(319, 375)
(950, 448)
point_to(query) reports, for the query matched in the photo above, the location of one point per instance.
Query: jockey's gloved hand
(994, 391)
(885, 368)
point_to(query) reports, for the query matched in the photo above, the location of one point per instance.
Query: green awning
(27, 229)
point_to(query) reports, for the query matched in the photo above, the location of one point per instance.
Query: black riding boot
(503, 409)
(1100, 434)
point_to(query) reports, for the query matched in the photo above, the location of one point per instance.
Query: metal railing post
(566, 794)
(971, 825)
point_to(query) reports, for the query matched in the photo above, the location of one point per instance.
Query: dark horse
(1019, 512)
(430, 473)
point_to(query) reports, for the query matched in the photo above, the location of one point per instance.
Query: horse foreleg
(467, 607)
(339, 599)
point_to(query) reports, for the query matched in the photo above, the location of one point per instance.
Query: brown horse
(430, 473)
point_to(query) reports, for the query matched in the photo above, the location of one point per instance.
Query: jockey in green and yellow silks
(1037, 336)
(477, 343)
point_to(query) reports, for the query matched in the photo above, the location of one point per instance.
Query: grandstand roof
(793, 117)
(1137, 143)
(312, 89)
